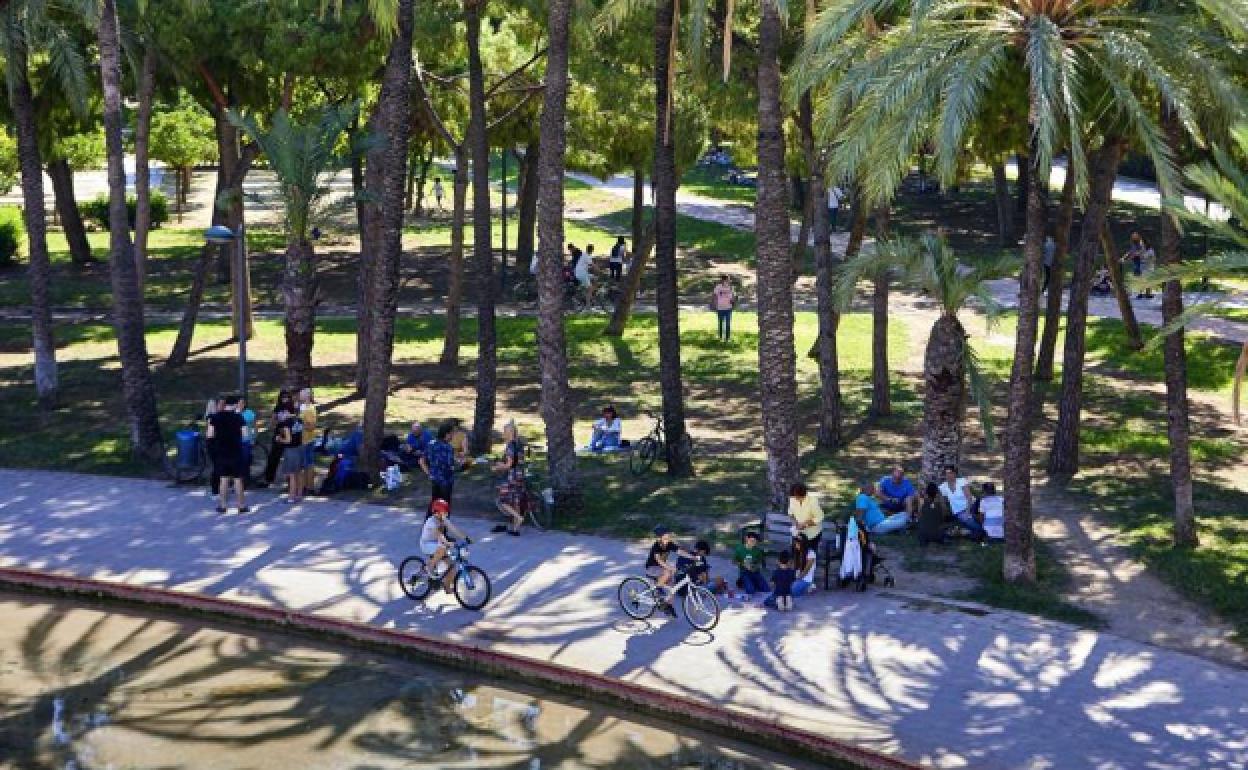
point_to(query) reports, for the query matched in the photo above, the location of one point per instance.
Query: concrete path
(933, 683)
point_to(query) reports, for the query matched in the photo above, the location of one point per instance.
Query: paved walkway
(923, 680)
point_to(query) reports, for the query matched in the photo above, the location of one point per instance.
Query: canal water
(97, 687)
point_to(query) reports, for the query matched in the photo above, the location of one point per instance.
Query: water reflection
(97, 688)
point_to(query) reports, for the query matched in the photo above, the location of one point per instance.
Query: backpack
(332, 483)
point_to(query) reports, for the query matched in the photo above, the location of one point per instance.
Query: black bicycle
(654, 445)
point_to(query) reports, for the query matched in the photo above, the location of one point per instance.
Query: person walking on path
(225, 431)
(438, 464)
(1141, 256)
(619, 252)
(437, 191)
(723, 300)
(835, 196)
(1050, 256)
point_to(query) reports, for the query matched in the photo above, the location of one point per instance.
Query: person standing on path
(307, 415)
(1141, 256)
(437, 191)
(290, 433)
(618, 254)
(1050, 256)
(285, 406)
(723, 300)
(225, 431)
(438, 464)
(835, 196)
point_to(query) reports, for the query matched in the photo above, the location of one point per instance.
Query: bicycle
(470, 585)
(640, 596)
(645, 451)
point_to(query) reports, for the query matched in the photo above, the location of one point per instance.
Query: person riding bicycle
(436, 536)
(661, 563)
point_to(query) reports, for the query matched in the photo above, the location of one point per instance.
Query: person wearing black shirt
(661, 563)
(285, 406)
(225, 431)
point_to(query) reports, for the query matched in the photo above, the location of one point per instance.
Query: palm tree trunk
(777, 364)
(643, 243)
(1053, 300)
(857, 234)
(1005, 207)
(881, 400)
(944, 396)
(299, 288)
(482, 249)
(62, 177)
(368, 212)
(1178, 422)
(1064, 454)
(526, 205)
(556, 402)
(455, 263)
(1135, 341)
(136, 376)
(142, 168)
(1020, 554)
(1021, 186)
(665, 182)
(391, 155)
(35, 218)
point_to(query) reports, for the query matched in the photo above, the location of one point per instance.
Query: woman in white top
(957, 491)
(607, 430)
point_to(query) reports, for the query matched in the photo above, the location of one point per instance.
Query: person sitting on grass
(783, 579)
(961, 498)
(873, 519)
(931, 523)
(992, 512)
(607, 431)
(897, 494)
(661, 564)
(750, 560)
(436, 536)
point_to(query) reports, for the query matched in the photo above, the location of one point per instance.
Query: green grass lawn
(712, 182)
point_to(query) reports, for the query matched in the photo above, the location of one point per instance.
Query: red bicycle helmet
(440, 506)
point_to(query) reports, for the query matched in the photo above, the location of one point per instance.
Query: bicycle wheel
(637, 598)
(537, 511)
(643, 455)
(414, 578)
(472, 588)
(184, 470)
(259, 459)
(701, 608)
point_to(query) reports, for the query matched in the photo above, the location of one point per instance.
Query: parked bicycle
(534, 506)
(645, 451)
(640, 597)
(470, 584)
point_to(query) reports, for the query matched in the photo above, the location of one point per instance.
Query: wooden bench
(775, 535)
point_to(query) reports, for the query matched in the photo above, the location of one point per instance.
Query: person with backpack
(723, 300)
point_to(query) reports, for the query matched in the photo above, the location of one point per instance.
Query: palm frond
(980, 385)
(1183, 320)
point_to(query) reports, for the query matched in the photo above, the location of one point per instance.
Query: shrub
(96, 211)
(12, 233)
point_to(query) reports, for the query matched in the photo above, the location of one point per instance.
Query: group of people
(894, 504)
(1139, 255)
(579, 270)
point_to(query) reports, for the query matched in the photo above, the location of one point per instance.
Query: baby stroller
(861, 563)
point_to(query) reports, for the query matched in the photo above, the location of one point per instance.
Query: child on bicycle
(661, 563)
(436, 536)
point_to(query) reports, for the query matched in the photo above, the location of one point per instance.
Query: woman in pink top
(723, 300)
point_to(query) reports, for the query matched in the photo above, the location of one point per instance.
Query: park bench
(775, 535)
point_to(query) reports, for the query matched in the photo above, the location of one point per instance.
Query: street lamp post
(224, 236)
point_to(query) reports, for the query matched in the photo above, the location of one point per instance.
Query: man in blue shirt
(897, 494)
(868, 507)
(438, 463)
(419, 439)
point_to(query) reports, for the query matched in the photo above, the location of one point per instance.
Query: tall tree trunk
(482, 248)
(136, 376)
(1135, 341)
(526, 205)
(195, 297)
(829, 318)
(777, 360)
(368, 212)
(665, 182)
(35, 218)
(1057, 276)
(556, 402)
(643, 244)
(944, 396)
(455, 263)
(1005, 204)
(142, 167)
(62, 177)
(234, 166)
(1021, 186)
(391, 155)
(1020, 553)
(299, 285)
(857, 234)
(881, 399)
(227, 155)
(1178, 422)
(1064, 454)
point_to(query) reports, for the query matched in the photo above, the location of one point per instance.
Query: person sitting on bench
(607, 430)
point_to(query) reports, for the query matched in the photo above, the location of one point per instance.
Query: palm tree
(949, 363)
(300, 153)
(556, 405)
(136, 375)
(925, 81)
(391, 155)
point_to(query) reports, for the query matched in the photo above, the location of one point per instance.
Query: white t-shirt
(430, 534)
(993, 509)
(617, 254)
(834, 197)
(581, 271)
(958, 498)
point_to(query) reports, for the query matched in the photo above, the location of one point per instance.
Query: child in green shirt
(750, 560)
